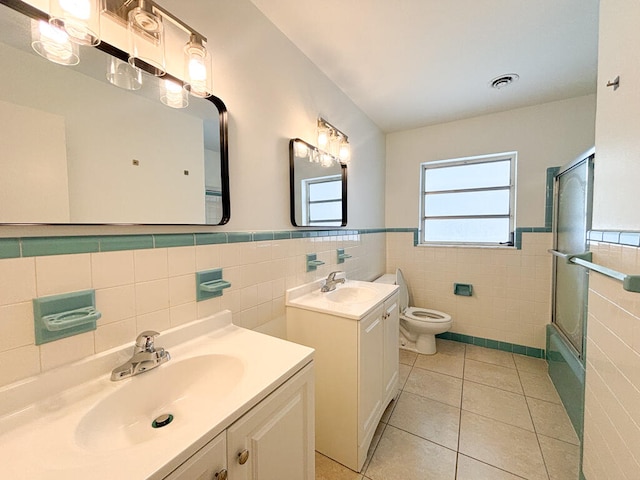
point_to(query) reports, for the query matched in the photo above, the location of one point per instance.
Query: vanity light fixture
(123, 75)
(146, 39)
(53, 43)
(333, 141)
(79, 18)
(197, 67)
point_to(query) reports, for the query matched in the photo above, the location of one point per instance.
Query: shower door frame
(589, 158)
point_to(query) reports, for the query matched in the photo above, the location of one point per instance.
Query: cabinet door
(275, 439)
(391, 352)
(208, 463)
(370, 374)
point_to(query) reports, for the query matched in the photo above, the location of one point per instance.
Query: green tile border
(41, 246)
(125, 242)
(9, 247)
(627, 238)
(521, 230)
(494, 344)
(174, 240)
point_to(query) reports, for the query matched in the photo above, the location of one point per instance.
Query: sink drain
(162, 420)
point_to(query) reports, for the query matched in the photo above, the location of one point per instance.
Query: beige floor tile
(436, 386)
(551, 420)
(403, 374)
(539, 385)
(504, 446)
(498, 404)
(327, 469)
(489, 355)
(450, 347)
(562, 459)
(471, 469)
(407, 357)
(402, 456)
(530, 364)
(492, 375)
(428, 419)
(442, 363)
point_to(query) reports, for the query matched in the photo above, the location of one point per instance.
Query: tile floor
(469, 413)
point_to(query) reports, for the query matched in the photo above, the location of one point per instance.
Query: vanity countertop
(51, 425)
(353, 299)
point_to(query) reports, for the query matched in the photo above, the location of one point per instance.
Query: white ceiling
(411, 63)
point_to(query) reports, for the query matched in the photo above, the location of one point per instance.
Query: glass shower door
(574, 186)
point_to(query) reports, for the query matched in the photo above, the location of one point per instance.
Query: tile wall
(511, 299)
(154, 288)
(612, 397)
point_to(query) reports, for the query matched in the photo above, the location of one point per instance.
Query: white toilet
(418, 326)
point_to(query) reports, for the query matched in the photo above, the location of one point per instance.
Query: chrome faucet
(331, 282)
(145, 357)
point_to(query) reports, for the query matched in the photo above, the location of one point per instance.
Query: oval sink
(184, 389)
(352, 294)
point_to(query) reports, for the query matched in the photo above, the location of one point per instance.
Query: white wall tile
(182, 289)
(116, 304)
(207, 257)
(185, 313)
(66, 350)
(17, 280)
(181, 261)
(16, 326)
(115, 334)
(159, 320)
(151, 264)
(152, 296)
(57, 274)
(111, 269)
(19, 363)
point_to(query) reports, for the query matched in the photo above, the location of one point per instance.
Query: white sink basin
(183, 389)
(186, 389)
(353, 299)
(352, 294)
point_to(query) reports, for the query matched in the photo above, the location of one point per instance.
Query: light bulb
(79, 18)
(53, 43)
(80, 9)
(197, 68)
(173, 95)
(344, 151)
(300, 150)
(323, 137)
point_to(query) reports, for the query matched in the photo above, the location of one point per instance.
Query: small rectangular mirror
(318, 185)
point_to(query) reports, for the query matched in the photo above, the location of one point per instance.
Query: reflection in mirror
(318, 186)
(77, 149)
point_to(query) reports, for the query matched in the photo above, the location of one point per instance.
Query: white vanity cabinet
(273, 440)
(356, 364)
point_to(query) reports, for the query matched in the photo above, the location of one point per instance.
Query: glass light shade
(324, 135)
(146, 41)
(300, 150)
(173, 94)
(53, 43)
(344, 152)
(197, 69)
(326, 160)
(79, 18)
(123, 75)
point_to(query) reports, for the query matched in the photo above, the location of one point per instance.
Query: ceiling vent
(504, 80)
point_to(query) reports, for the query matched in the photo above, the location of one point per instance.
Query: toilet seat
(426, 315)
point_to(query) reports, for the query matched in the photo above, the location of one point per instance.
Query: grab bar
(630, 283)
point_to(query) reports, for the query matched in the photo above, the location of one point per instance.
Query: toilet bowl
(418, 326)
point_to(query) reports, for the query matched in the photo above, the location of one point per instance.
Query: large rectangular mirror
(318, 187)
(76, 149)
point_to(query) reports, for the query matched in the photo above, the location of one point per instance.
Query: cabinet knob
(221, 475)
(243, 456)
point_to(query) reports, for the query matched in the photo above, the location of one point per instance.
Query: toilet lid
(403, 292)
(426, 315)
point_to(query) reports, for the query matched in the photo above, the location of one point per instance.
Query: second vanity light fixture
(78, 22)
(333, 141)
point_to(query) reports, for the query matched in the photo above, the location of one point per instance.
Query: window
(322, 198)
(469, 200)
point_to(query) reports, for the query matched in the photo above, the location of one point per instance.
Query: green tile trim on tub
(174, 240)
(9, 248)
(494, 344)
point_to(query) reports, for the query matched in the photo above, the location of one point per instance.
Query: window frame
(480, 159)
(307, 202)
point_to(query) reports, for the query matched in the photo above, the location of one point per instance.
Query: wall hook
(615, 83)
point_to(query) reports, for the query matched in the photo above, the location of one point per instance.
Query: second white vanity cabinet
(356, 364)
(273, 440)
